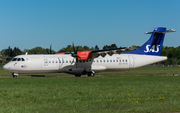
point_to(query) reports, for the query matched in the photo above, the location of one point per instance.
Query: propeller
(75, 53)
(49, 51)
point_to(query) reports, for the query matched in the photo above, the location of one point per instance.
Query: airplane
(89, 62)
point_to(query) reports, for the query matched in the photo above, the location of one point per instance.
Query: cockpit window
(14, 59)
(23, 59)
(18, 59)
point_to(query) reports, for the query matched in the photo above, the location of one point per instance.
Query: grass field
(147, 93)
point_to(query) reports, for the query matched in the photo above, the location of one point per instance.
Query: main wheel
(91, 74)
(77, 75)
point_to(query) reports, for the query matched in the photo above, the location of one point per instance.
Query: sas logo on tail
(152, 49)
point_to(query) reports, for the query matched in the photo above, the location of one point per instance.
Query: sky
(31, 23)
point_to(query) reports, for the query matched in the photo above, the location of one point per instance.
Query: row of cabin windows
(111, 60)
(81, 61)
(53, 61)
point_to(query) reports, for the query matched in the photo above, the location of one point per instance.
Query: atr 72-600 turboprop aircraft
(89, 62)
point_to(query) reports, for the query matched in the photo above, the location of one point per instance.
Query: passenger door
(131, 61)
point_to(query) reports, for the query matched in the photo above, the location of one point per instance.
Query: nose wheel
(15, 75)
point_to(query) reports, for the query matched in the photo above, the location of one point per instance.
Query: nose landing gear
(15, 75)
(89, 74)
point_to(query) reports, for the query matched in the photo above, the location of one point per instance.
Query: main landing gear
(15, 75)
(89, 74)
(77, 75)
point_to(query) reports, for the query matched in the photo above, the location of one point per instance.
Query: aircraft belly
(111, 67)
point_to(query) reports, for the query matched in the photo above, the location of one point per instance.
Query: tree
(8, 52)
(16, 51)
(96, 47)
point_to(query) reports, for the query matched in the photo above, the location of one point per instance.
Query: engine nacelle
(84, 55)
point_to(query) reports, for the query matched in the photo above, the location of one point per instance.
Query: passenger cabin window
(116, 60)
(100, 60)
(110, 60)
(49, 61)
(104, 60)
(113, 60)
(107, 60)
(53, 61)
(119, 60)
(23, 59)
(126, 60)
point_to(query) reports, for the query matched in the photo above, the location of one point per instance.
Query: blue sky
(30, 23)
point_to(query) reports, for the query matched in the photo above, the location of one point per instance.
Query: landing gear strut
(14, 75)
(90, 74)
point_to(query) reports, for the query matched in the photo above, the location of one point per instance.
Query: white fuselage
(68, 64)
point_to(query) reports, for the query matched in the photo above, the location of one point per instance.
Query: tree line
(173, 53)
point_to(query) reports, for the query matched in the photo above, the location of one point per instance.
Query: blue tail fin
(154, 45)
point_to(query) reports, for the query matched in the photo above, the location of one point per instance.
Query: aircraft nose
(6, 67)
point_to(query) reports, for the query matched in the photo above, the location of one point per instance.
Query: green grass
(94, 94)
(153, 90)
(146, 72)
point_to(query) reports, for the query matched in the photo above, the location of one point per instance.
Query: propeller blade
(47, 51)
(73, 47)
(75, 52)
(79, 57)
(50, 49)
(77, 49)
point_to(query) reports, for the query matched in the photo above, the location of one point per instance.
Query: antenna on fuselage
(26, 53)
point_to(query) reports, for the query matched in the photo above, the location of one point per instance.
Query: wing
(96, 53)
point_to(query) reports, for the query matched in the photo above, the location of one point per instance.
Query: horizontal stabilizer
(167, 31)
